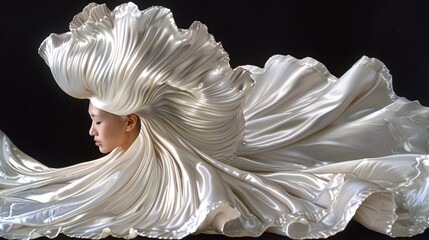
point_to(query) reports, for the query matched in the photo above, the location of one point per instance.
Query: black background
(52, 127)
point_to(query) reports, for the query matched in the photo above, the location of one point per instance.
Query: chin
(102, 150)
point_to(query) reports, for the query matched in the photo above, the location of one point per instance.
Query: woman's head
(111, 131)
(176, 80)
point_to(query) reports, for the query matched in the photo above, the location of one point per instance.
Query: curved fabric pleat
(287, 148)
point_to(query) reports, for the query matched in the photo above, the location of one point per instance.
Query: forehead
(93, 111)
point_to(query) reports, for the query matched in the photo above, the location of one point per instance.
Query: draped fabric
(287, 148)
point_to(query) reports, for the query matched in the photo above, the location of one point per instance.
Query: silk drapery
(288, 148)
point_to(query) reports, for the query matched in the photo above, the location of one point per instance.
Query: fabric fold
(288, 148)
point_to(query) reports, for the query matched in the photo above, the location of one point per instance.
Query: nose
(92, 130)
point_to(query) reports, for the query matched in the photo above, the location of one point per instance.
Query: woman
(289, 148)
(111, 131)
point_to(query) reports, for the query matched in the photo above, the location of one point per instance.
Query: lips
(97, 143)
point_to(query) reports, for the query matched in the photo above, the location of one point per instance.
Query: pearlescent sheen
(287, 148)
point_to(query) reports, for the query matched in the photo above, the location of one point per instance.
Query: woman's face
(108, 130)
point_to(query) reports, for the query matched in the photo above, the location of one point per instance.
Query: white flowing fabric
(287, 148)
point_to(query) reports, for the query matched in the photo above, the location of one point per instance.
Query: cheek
(113, 134)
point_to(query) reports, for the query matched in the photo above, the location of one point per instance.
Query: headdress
(131, 61)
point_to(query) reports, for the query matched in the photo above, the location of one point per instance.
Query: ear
(132, 122)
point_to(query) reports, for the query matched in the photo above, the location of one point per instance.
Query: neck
(130, 138)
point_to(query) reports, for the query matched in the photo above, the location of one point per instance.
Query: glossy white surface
(289, 148)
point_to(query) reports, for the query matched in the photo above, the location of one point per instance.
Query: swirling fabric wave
(288, 148)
